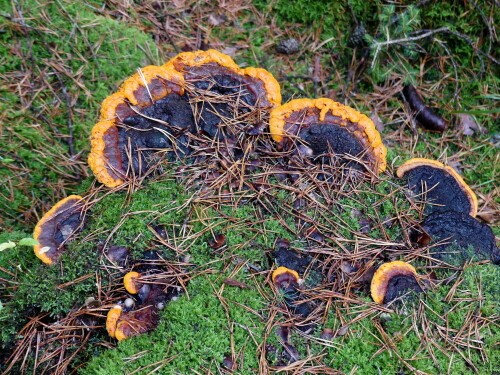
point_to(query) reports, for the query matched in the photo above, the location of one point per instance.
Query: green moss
(478, 295)
(197, 331)
(75, 57)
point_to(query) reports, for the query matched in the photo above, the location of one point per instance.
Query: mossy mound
(215, 322)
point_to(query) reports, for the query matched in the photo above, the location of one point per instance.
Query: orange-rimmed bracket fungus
(322, 126)
(457, 237)
(284, 278)
(57, 226)
(393, 279)
(152, 116)
(224, 95)
(440, 185)
(132, 128)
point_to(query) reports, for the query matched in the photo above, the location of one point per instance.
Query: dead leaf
(284, 333)
(282, 243)
(219, 241)
(469, 125)
(487, 214)
(348, 267)
(327, 334)
(229, 363)
(342, 331)
(292, 352)
(216, 19)
(456, 165)
(313, 234)
(364, 225)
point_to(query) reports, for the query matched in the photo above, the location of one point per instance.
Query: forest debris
(216, 19)
(425, 115)
(218, 241)
(236, 283)
(468, 125)
(288, 47)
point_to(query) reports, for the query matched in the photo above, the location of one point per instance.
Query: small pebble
(289, 46)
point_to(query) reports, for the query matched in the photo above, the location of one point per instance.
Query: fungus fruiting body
(287, 281)
(224, 97)
(326, 126)
(151, 116)
(121, 323)
(130, 282)
(200, 65)
(130, 132)
(458, 233)
(284, 277)
(392, 280)
(57, 226)
(112, 319)
(133, 323)
(293, 260)
(440, 185)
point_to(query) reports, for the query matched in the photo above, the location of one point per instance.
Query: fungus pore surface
(157, 114)
(327, 127)
(157, 132)
(460, 232)
(399, 285)
(439, 186)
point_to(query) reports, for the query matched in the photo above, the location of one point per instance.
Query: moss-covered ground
(58, 61)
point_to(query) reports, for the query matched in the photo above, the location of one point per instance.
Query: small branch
(411, 39)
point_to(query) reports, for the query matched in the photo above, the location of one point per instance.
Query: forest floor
(60, 59)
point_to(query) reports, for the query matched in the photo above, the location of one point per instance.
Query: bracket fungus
(154, 111)
(57, 226)
(458, 232)
(392, 280)
(441, 185)
(112, 319)
(222, 95)
(324, 125)
(127, 136)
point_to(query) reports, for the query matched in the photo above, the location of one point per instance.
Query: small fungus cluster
(169, 112)
(140, 313)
